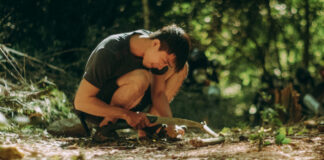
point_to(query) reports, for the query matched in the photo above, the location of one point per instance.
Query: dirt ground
(44, 146)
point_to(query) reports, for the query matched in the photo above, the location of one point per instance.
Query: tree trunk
(306, 36)
(146, 14)
(273, 35)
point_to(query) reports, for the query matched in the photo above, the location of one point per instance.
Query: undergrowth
(37, 104)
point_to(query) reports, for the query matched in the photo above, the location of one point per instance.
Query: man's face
(155, 58)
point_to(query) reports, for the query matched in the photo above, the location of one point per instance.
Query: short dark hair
(174, 40)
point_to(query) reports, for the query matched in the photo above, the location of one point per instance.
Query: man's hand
(106, 120)
(137, 120)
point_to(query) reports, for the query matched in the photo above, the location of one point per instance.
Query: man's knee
(138, 80)
(132, 87)
(141, 81)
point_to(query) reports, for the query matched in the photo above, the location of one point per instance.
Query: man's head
(173, 41)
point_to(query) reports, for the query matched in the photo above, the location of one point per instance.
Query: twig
(5, 17)
(12, 59)
(31, 58)
(12, 74)
(65, 51)
(18, 66)
(14, 67)
(6, 83)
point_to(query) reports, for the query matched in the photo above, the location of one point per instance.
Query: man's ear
(156, 43)
(171, 57)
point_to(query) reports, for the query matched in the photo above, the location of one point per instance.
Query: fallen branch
(12, 74)
(7, 49)
(12, 63)
(7, 84)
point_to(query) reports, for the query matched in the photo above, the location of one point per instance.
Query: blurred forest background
(245, 54)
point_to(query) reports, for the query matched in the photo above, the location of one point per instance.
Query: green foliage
(33, 105)
(259, 137)
(225, 131)
(253, 39)
(281, 136)
(262, 134)
(270, 117)
(266, 143)
(247, 39)
(281, 139)
(303, 131)
(290, 131)
(59, 101)
(253, 137)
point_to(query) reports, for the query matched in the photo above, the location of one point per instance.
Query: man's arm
(160, 103)
(174, 83)
(164, 88)
(86, 101)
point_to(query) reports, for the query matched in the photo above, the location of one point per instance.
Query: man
(129, 71)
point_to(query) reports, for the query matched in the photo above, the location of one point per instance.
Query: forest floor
(41, 145)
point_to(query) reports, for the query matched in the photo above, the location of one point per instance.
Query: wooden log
(288, 98)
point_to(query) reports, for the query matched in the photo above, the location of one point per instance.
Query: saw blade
(174, 121)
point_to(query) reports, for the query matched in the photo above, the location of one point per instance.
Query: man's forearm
(96, 107)
(160, 106)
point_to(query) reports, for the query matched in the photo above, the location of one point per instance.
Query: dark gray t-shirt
(110, 60)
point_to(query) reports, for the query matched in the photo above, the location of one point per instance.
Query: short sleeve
(99, 67)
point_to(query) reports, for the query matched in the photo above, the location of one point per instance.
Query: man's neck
(138, 44)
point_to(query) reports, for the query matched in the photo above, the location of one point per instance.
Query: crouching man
(129, 72)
